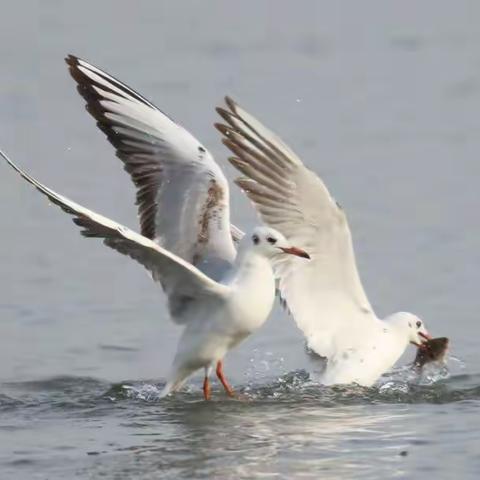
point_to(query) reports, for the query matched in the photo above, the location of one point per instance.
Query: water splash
(400, 387)
(146, 392)
(436, 385)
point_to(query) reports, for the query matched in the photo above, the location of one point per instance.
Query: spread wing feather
(325, 295)
(182, 194)
(182, 282)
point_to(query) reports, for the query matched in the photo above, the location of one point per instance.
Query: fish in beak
(295, 251)
(433, 350)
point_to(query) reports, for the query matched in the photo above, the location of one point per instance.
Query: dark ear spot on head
(255, 240)
(410, 324)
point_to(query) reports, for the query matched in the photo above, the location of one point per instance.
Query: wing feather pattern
(183, 283)
(182, 194)
(324, 295)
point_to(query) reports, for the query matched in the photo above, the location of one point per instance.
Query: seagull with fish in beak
(325, 296)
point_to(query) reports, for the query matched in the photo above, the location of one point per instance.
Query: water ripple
(296, 388)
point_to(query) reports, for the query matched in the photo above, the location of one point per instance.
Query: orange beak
(296, 251)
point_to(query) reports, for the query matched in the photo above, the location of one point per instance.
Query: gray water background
(380, 98)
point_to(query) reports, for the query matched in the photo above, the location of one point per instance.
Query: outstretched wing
(324, 295)
(183, 283)
(182, 194)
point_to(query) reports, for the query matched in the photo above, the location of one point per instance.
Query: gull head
(270, 243)
(412, 326)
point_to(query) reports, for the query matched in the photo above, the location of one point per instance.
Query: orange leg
(222, 378)
(206, 388)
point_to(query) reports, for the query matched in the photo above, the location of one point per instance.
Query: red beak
(296, 251)
(426, 336)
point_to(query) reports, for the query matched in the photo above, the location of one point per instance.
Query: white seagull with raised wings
(219, 295)
(325, 295)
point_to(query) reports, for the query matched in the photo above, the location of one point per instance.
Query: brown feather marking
(215, 196)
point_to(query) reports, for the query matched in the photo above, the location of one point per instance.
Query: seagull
(325, 296)
(220, 296)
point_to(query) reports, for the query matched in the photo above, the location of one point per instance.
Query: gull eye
(271, 240)
(419, 324)
(256, 240)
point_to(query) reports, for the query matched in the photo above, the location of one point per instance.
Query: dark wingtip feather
(243, 182)
(233, 146)
(222, 112)
(73, 63)
(226, 115)
(232, 105)
(229, 144)
(235, 161)
(237, 182)
(219, 126)
(71, 60)
(224, 129)
(239, 164)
